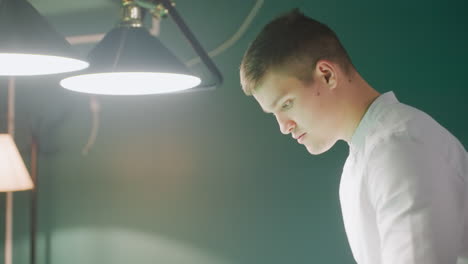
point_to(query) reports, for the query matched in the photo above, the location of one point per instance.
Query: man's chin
(317, 149)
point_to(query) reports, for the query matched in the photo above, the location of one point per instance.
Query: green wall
(208, 177)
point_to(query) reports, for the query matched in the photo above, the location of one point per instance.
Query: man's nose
(286, 125)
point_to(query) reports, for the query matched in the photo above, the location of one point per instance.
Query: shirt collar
(369, 119)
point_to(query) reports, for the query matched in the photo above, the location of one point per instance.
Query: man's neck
(359, 95)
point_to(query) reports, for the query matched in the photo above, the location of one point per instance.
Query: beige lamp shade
(13, 173)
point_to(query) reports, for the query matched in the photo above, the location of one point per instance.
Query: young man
(403, 190)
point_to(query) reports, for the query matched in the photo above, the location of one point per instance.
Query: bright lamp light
(31, 64)
(130, 83)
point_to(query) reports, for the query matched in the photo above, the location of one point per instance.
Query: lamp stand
(9, 195)
(34, 153)
(8, 227)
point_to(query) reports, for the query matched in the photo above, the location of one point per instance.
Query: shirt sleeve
(417, 198)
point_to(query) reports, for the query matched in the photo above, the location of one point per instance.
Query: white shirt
(404, 188)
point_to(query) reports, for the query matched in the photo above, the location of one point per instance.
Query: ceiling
(53, 7)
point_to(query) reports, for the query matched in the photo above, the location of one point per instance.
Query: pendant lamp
(29, 45)
(130, 61)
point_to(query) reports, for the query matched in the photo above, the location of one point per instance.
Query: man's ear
(326, 72)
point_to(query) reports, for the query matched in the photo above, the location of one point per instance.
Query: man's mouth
(300, 138)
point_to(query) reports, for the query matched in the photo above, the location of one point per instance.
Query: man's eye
(286, 105)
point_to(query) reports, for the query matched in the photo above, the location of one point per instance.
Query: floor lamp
(13, 173)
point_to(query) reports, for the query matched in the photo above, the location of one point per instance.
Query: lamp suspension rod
(193, 42)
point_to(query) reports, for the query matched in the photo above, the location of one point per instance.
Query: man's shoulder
(398, 116)
(398, 122)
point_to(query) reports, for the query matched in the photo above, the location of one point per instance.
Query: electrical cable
(95, 109)
(234, 38)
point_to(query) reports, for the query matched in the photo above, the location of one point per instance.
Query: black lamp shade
(130, 61)
(126, 49)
